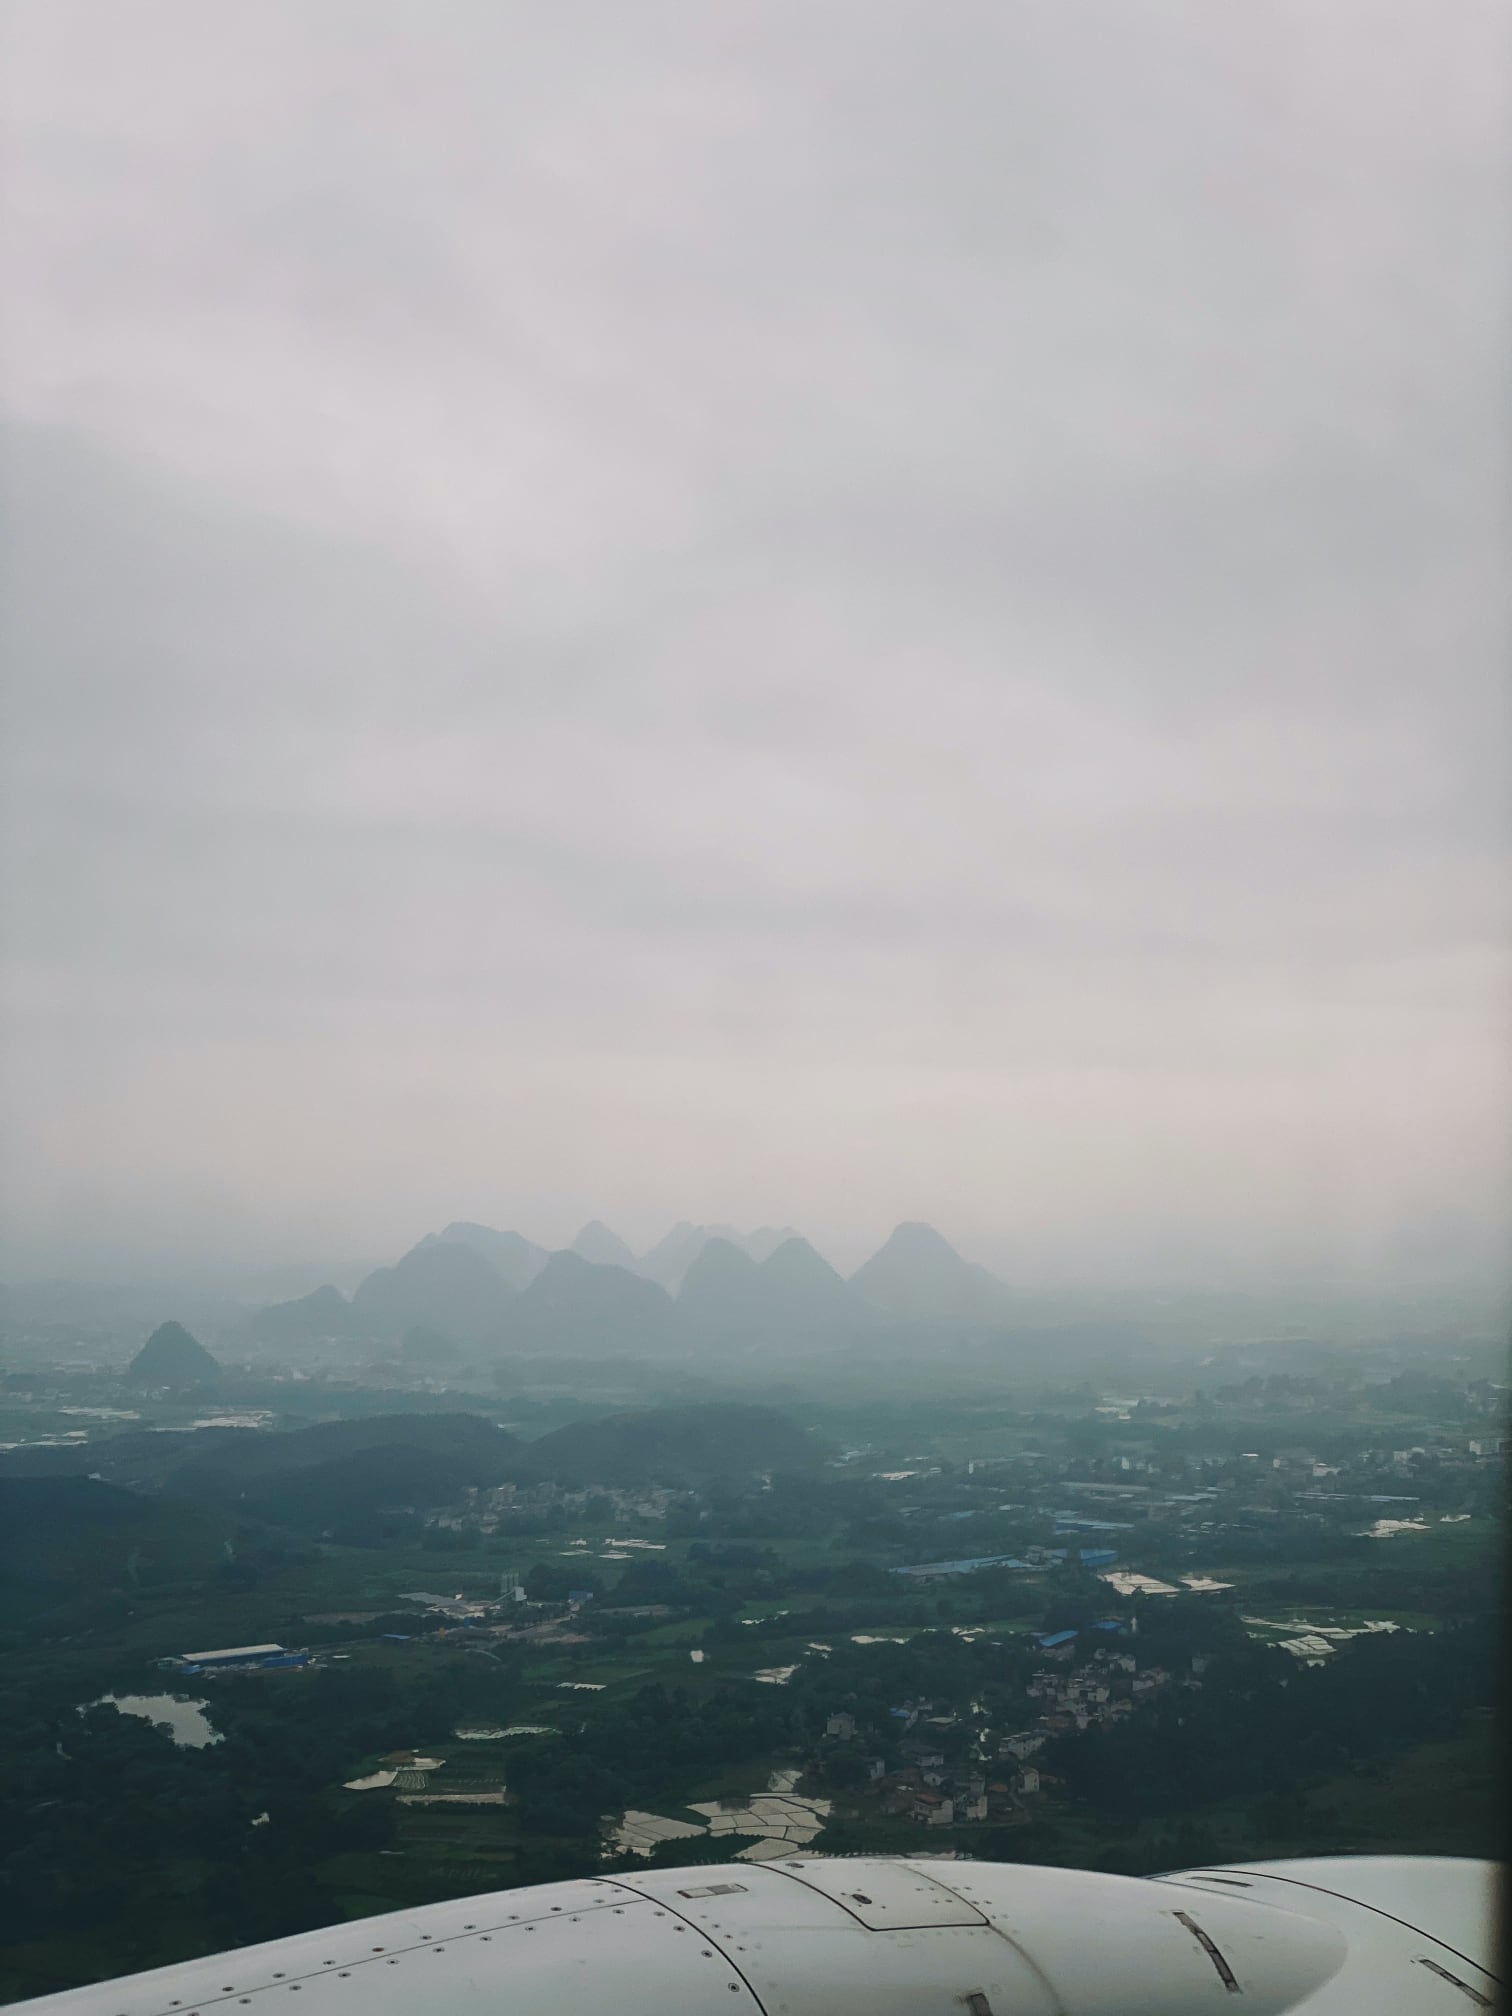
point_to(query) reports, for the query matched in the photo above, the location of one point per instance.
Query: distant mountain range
(669, 1260)
(700, 1287)
(793, 1293)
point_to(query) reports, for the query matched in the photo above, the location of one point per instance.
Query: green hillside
(311, 1480)
(64, 1537)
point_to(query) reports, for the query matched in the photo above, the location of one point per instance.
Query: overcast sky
(782, 610)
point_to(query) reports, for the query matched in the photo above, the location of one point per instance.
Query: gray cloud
(778, 612)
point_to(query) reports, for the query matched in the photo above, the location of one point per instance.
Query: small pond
(185, 1721)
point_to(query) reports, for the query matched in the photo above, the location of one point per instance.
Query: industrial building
(928, 1571)
(241, 1659)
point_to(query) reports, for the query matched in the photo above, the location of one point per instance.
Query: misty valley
(512, 1564)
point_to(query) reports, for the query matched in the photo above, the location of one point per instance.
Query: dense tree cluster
(109, 1824)
(1263, 1725)
(654, 1746)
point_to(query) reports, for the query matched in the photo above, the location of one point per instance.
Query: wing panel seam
(1419, 1931)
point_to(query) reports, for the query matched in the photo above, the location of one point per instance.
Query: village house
(924, 1756)
(933, 1808)
(1023, 1743)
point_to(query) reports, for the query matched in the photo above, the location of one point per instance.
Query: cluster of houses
(927, 1788)
(999, 1777)
(492, 1508)
(1100, 1692)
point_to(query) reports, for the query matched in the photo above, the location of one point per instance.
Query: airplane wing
(871, 1936)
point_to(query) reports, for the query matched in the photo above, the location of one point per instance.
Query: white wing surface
(876, 1937)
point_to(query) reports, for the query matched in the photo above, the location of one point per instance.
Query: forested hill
(307, 1477)
(67, 1536)
(155, 1460)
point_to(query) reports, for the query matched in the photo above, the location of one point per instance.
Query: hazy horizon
(772, 614)
(272, 1276)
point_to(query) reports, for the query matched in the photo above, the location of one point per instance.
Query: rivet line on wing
(391, 1957)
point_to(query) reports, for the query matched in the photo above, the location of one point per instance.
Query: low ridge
(322, 1314)
(676, 1445)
